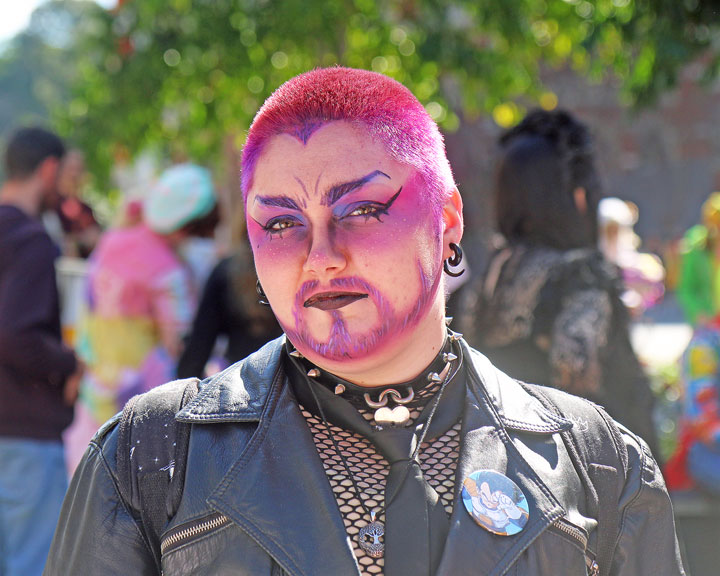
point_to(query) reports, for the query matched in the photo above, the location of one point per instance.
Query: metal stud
(455, 336)
(434, 377)
(296, 354)
(313, 373)
(449, 357)
(339, 389)
(448, 319)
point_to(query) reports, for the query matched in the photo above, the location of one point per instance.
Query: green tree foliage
(35, 73)
(37, 68)
(182, 75)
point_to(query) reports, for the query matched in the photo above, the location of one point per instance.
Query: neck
(22, 195)
(401, 361)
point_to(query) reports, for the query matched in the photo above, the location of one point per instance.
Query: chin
(351, 354)
(339, 348)
(356, 367)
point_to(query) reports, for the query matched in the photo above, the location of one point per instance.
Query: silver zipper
(575, 532)
(564, 526)
(180, 535)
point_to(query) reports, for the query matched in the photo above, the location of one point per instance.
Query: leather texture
(252, 458)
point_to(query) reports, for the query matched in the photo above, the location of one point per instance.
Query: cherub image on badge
(495, 502)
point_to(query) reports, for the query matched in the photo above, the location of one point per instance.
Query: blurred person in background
(39, 375)
(200, 253)
(140, 300)
(81, 231)
(642, 273)
(696, 461)
(548, 308)
(230, 316)
(698, 289)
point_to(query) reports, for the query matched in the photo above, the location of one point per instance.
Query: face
(346, 246)
(72, 174)
(48, 173)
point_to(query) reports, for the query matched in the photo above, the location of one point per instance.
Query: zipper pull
(593, 567)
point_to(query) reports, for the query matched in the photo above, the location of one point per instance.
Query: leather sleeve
(96, 534)
(647, 545)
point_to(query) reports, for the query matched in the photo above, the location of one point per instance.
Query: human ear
(452, 215)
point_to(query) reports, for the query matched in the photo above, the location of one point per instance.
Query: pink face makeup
(310, 101)
(346, 244)
(342, 344)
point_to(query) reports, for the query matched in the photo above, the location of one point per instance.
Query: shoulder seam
(108, 470)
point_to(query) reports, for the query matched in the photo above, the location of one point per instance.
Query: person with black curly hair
(548, 308)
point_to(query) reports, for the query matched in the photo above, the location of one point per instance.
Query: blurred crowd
(156, 298)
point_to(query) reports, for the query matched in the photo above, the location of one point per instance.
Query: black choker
(388, 402)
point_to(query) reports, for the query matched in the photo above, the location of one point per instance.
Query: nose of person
(325, 257)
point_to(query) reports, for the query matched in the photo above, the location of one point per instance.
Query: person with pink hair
(349, 444)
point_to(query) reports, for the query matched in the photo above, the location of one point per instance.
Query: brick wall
(665, 159)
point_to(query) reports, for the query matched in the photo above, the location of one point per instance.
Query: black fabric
(251, 459)
(355, 394)
(416, 524)
(624, 389)
(626, 394)
(154, 493)
(34, 363)
(222, 312)
(601, 464)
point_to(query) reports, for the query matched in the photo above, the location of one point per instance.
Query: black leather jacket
(257, 500)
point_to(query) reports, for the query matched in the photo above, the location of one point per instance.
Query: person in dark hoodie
(39, 375)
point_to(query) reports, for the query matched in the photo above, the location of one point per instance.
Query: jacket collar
(240, 393)
(303, 529)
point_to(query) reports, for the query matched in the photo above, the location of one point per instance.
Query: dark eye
(279, 225)
(367, 211)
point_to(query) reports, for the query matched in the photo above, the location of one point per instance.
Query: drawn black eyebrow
(339, 190)
(279, 201)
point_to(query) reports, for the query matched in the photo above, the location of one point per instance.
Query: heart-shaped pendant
(398, 416)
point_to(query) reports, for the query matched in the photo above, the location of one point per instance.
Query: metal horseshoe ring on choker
(396, 416)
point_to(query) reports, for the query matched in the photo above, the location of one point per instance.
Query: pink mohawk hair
(383, 106)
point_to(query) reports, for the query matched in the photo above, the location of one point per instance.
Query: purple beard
(341, 345)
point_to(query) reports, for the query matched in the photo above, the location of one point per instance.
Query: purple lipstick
(333, 300)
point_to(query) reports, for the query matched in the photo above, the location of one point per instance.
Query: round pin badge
(495, 502)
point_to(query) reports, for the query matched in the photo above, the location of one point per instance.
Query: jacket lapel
(486, 445)
(279, 494)
(277, 491)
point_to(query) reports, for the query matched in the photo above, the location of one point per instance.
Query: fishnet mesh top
(438, 457)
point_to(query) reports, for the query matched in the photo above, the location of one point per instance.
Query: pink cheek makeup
(394, 231)
(341, 344)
